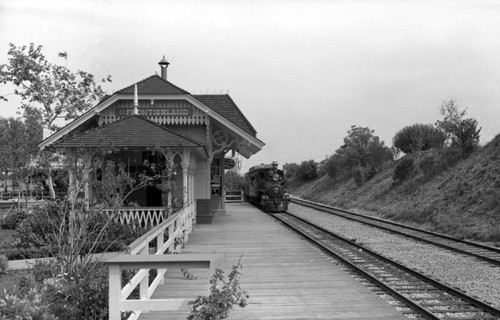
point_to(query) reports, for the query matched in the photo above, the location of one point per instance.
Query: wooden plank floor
(285, 276)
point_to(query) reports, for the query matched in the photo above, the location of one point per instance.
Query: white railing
(117, 299)
(146, 217)
(168, 237)
(234, 196)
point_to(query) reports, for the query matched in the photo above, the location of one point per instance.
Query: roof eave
(97, 109)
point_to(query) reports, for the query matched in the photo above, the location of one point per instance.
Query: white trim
(96, 110)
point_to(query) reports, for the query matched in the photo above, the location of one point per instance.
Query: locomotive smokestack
(164, 65)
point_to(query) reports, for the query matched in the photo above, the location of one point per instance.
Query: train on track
(265, 187)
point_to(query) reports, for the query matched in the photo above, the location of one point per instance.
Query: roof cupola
(164, 65)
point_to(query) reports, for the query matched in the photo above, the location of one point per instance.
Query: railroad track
(483, 252)
(427, 298)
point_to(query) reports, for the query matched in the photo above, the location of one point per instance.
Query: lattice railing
(146, 217)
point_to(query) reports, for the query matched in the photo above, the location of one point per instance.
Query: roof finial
(136, 100)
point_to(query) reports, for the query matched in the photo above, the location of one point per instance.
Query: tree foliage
(18, 145)
(234, 180)
(418, 137)
(462, 133)
(290, 170)
(362, 148)
(53, 89)
(307, 170)
(362, 154)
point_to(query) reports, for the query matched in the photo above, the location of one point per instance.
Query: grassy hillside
(462, 200)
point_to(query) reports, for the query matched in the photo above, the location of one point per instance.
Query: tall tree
(361, 151)
(53, 89)
(18, 145)
(462, 133)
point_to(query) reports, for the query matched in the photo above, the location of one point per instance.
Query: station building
(154, 125)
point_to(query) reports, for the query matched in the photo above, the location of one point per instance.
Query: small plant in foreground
(223, 295)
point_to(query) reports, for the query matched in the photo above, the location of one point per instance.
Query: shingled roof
(154, 85)
(225, 106)
(132, 131)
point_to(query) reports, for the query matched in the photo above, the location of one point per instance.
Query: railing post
(114, 292)
(171, 236)
(160, 240)
(143, 290)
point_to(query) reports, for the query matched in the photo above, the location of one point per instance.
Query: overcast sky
(302, 72)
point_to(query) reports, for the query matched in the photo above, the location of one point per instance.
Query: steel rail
(413, 305)
(357, 216)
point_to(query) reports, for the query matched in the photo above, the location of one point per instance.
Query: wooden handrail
(178, 226)
(235, 196)
(118, 303)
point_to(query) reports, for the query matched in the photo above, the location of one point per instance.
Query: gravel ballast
(468, 274)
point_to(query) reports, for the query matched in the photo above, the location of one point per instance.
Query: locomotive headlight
(276, 177)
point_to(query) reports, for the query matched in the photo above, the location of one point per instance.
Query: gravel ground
(470, 275)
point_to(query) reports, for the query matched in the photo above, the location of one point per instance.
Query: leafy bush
(28, 307)
(117, 237)
(333, 166)
(450, 156)
(39, 230)
(85, 297)
(429, 165)
(45, 269)
(4, 263)
(42, 294)
(12, 220)
(308, 170)
(403, 169)
(418, 137)
(17, 253)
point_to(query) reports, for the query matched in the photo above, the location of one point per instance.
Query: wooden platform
(285, 276)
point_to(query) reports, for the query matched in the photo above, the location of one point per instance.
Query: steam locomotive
(265, 187)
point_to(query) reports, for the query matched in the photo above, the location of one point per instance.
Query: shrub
(428, 165)
(84, 297)
(42, 294)
(333, 166)
(117, 237)
(4, 263)
(359, 176)
(418, 137)
(17, 253)
(403, 169)
(28, 307)
(308, 170)
(45, 269)
(450, 156)
(39, 230)
(12, 220)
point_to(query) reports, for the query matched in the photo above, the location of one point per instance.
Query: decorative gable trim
(251, 140)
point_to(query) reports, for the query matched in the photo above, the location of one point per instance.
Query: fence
(163, 238)
(234, 196)
(146, 217)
